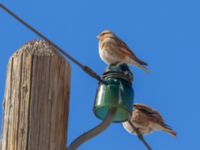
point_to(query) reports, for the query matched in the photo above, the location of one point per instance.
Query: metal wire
(140, 136)
(93, 132)
(86, 69)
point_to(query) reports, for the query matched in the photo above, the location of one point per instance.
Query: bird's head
(136, 106)
(105, 34)
(141, 106)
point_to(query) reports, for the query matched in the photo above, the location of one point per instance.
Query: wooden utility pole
(36, 100)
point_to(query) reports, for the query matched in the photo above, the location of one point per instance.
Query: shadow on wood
(36, 100)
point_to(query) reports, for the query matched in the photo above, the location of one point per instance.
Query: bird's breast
(110, 53)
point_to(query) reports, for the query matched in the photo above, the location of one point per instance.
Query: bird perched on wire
(112, 51)
(147, 120)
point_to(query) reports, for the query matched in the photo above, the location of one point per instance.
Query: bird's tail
(170, 131)
(145, 69)
(140, 66)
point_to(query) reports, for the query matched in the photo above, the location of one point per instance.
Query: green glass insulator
(116, 91)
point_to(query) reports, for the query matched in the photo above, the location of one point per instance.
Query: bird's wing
(153, 115)
(125, 49)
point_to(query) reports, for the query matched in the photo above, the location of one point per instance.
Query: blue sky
(165, 34)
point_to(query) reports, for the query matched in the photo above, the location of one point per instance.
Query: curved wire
(86, 69)
(93, 132)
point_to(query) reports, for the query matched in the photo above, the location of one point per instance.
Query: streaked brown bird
(147, 120)
(112, 50)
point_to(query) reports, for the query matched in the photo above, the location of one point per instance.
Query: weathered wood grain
(36, 100)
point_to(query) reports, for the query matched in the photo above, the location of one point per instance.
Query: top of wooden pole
(37, 47)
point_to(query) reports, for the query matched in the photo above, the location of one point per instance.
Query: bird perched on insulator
(147, 120)
(112, 51)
